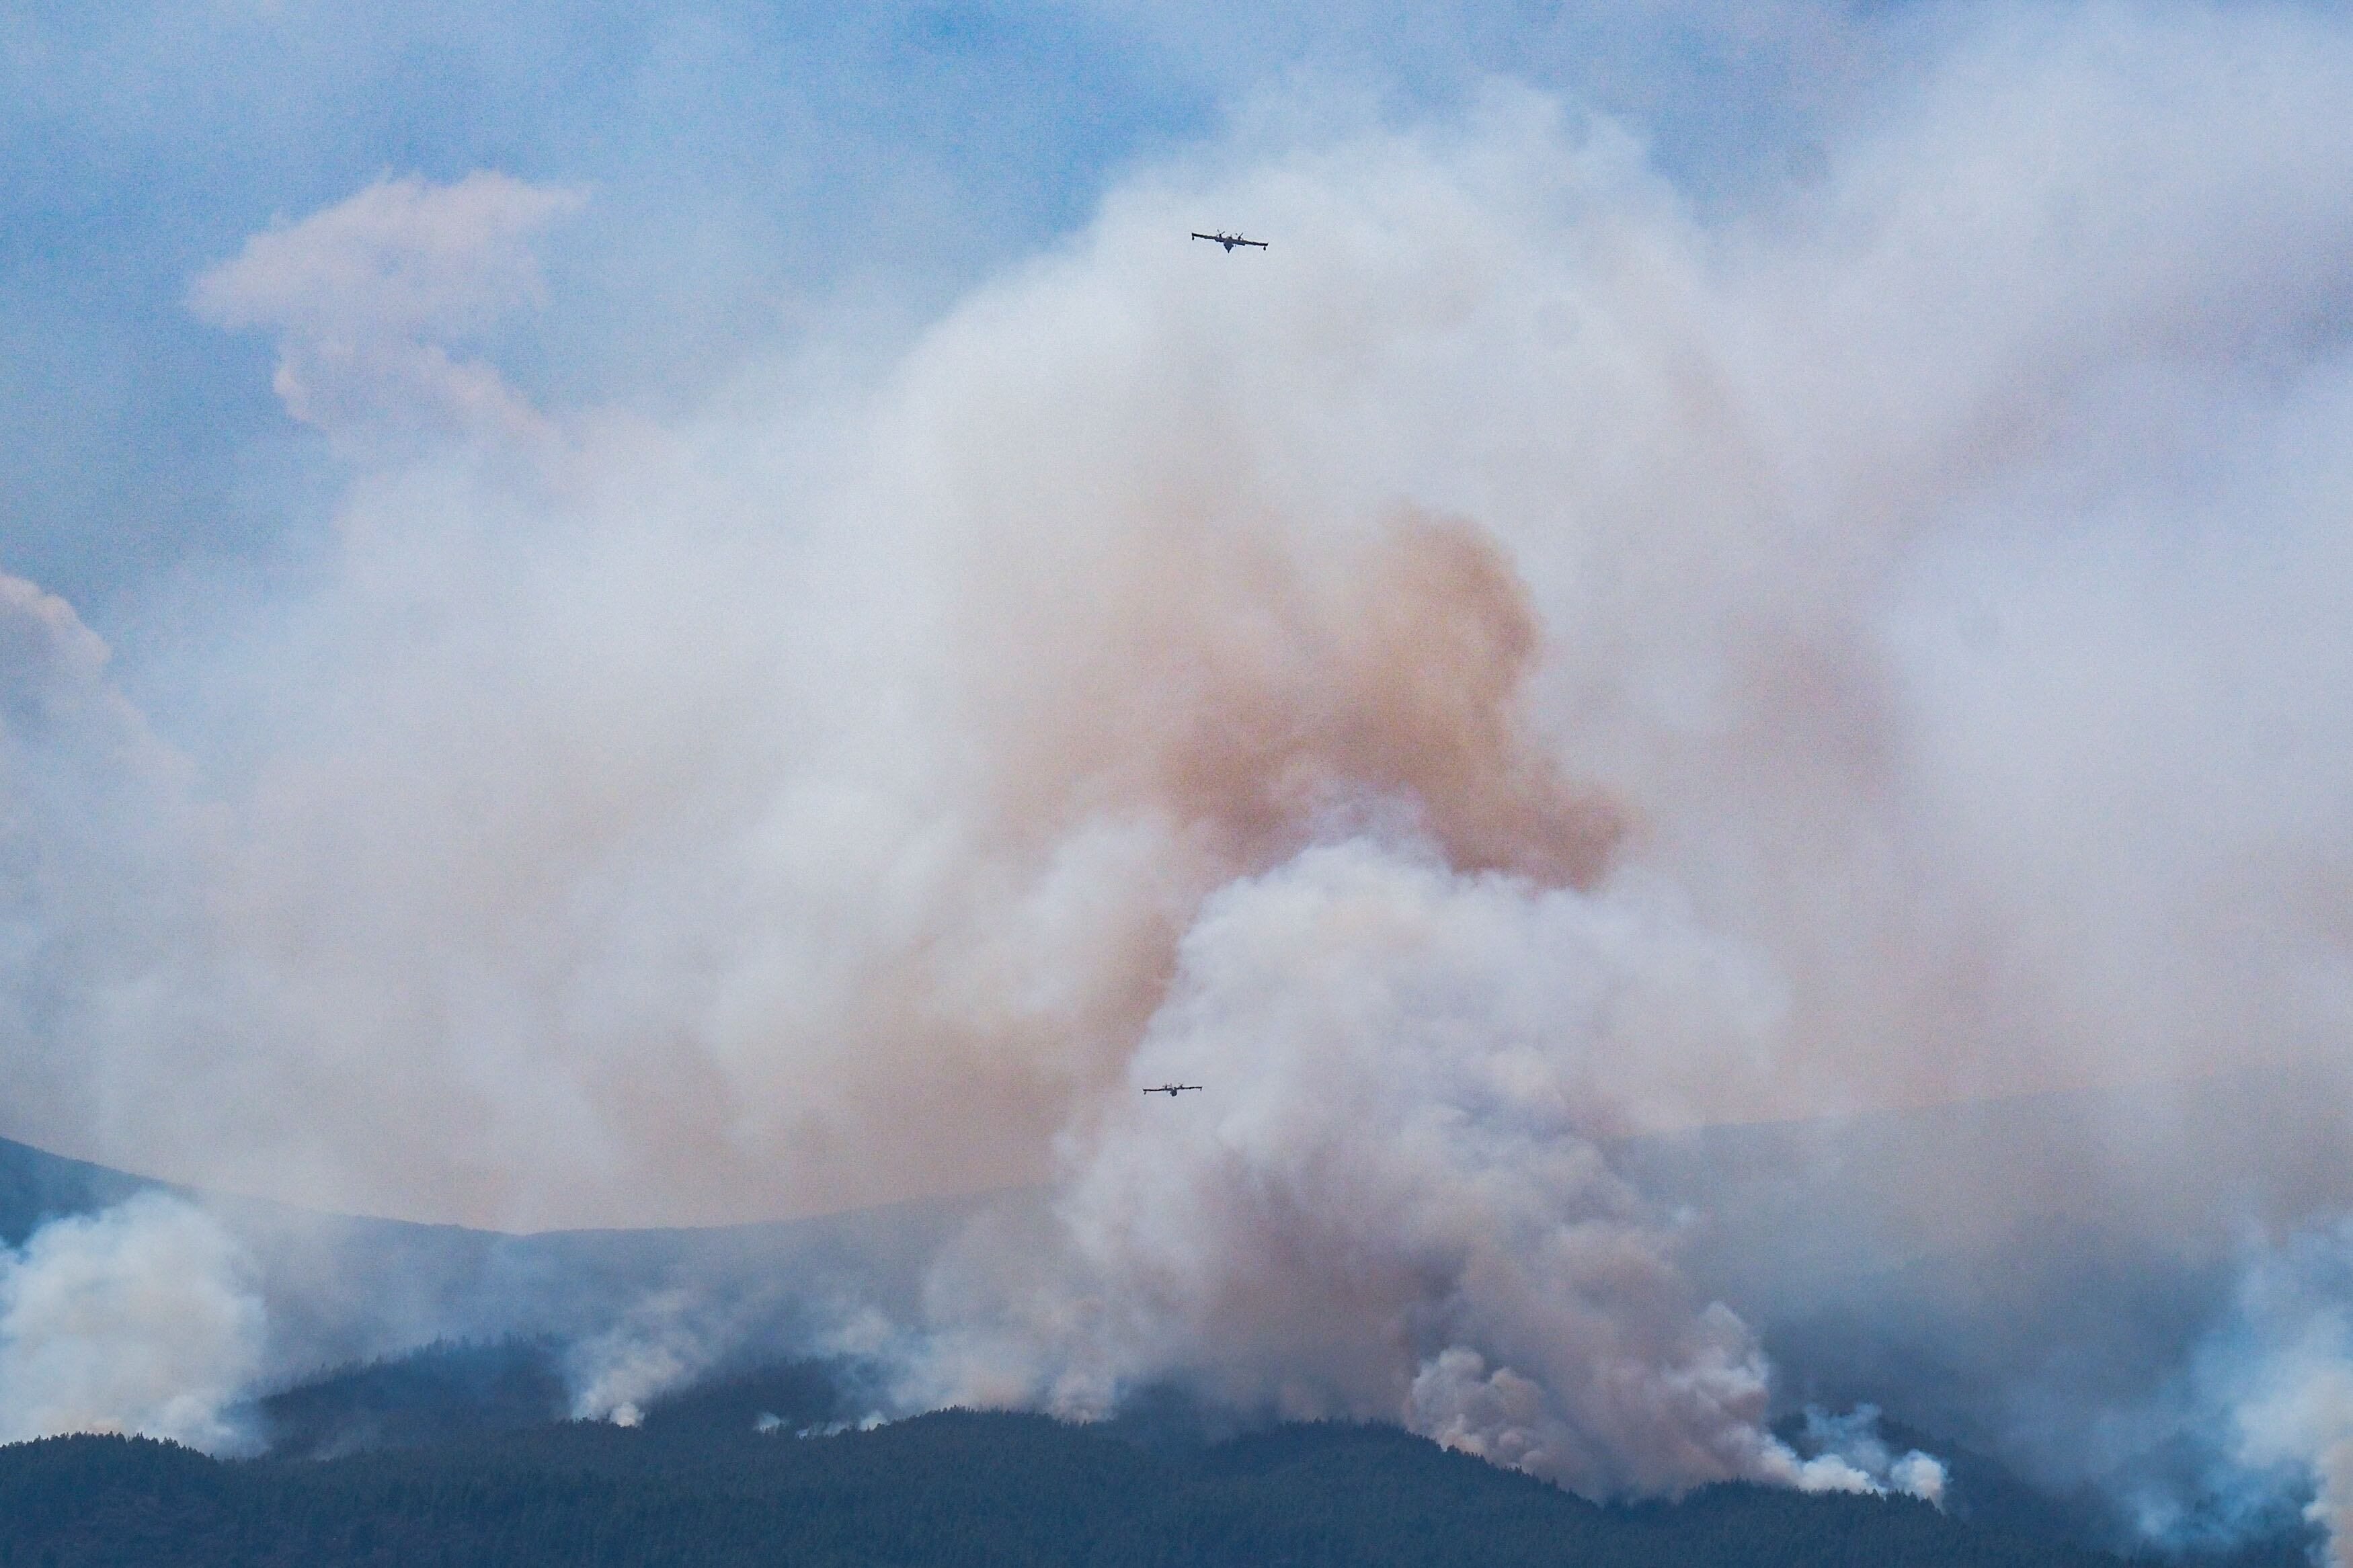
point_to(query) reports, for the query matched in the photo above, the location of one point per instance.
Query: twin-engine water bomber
(1173, 1090)
(1229, 240)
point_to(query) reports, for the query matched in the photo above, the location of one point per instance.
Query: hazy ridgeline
(1735, 795)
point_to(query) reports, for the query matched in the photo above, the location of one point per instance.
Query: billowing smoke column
(144, 1318)
(1393, 1203)
(1528, 662)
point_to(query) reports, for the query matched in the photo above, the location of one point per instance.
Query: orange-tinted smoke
(1226, 684)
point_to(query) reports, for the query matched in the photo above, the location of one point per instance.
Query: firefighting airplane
(1229, 240)
(1172, 1089)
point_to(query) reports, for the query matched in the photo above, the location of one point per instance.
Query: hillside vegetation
(956, 1488)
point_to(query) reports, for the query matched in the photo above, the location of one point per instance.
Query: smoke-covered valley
(1735, 797)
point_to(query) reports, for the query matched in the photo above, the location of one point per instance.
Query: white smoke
(798, 805)
(2279, 1375)
(1388, 1201)
(141, 1319)
(1851, 1445)
(1526, 659)
(1392, 1200)
(659, 1345)
(367, 295)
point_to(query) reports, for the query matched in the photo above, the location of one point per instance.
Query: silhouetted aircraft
(1172, 1089)
(1230, 240)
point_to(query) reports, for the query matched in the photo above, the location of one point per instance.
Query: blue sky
(753, 169)
(765, 147)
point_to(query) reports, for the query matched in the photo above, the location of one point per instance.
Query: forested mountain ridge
(954, 1487)
(455, 1453)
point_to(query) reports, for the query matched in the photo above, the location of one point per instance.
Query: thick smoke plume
(1528, 664)
(144, 1318)
(1393, 1203)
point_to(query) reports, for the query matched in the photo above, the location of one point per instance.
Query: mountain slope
(37, 1186)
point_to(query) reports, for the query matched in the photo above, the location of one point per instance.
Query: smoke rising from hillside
(145, 1318)
(1522, 664)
